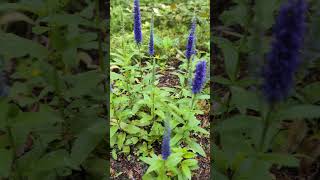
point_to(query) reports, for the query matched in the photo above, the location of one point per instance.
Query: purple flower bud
(284, 57)
(151, 43)
(190, 49)
(137, 22)
(199, 77)
(165, 149)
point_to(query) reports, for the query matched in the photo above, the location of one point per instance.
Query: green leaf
(219, 175)
(264, 11)
(113, 130)
(196, 147)
(131, 129)
(155, 165)
(96, 166)
(52, 160)
(244, 99)
(33, 6)
(236, 15)
(3, 114)
(186, 171)
(147, 160)
(231, 56)
(281, 159)
(298, 112)
(121, 139)
(174, 159)
(12, 45)
(175, 139)
(160, 114)
(238, 122)
(203, 96)
(190, 162)
(114, 154)
(5, 163)
(312, 92)
(87, 141)
(199, 129)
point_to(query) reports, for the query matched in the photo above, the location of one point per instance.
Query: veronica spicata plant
(137, 22)
(256, 121)
(190, 48)
(199, 79)
(284, 57)
(138, 127)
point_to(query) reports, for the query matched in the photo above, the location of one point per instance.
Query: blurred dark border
(213, 22)
(105, 9)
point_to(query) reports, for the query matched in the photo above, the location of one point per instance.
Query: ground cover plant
(159, 100)
(52, 97)
(266, 90)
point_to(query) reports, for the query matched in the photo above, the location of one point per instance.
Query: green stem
(164, 168)
(264, 131)
(153, 86)
(188, 72)
(140, 58)
(193, 100)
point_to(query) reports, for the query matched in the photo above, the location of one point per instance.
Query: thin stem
(164, 168)
(193, 100)
(264, 131)
(141, 72)
(153, 85)
(189, 71)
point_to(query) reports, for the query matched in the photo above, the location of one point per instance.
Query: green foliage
(251, 135)
(179, 163)
(52, 122)
(139, 106)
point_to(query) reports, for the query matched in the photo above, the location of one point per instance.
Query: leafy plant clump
(156, 122)
(52, 97)
(267, 104)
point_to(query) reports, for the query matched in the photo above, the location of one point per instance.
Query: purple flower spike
(137, 22)
(190, 49)
(165, 148)
(151, 42)
(284, 57)
(199, 77)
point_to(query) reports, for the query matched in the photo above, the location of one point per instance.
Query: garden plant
(266, 90)
(159, 71)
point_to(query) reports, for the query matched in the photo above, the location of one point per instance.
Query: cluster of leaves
(52, 118)
(251, 138)
(135, 128)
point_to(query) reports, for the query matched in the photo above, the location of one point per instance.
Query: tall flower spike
(165, 149)
(199, 77)
(190, 49)
(151, 42)
(284, 57)
(137, 22)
